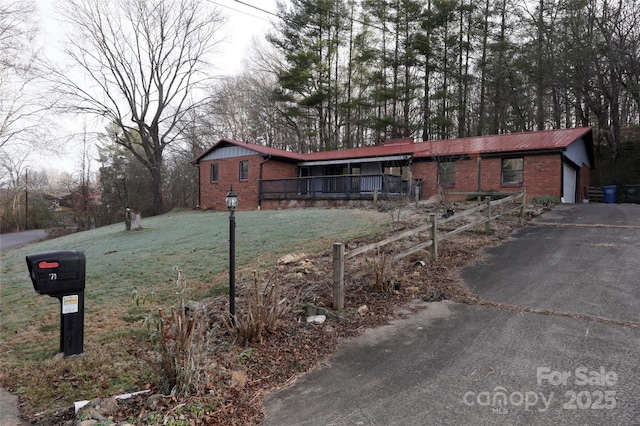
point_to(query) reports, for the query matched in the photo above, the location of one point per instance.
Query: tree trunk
(132, 220)
(483, 71)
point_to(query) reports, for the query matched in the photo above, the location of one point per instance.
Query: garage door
(569, 184)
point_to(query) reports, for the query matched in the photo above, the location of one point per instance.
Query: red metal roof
(274, 152)
(364, 152)
(529, 141)
(506, 143)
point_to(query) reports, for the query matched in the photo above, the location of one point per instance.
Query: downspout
(260, 180)
(479, 173)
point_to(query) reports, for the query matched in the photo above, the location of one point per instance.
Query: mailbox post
(61, 274)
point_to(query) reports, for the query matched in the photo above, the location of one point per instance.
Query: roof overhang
(355, 160)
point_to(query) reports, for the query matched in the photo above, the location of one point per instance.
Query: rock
(293, 276)
(433, 296)
(317, 319)
(311, 309)
(363, 310)
(435, 199)
(308, 265)
(332, 315)
(290, 258)
(154, 402)
(98, 409)
(193, 307)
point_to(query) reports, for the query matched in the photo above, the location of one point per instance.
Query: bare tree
(13, 186)
(142, 63)
(18, 112)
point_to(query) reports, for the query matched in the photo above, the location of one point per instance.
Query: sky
(246, 20)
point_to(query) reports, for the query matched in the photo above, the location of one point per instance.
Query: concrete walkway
(9, 414)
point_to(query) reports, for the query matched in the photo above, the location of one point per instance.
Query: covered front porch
(345, 187)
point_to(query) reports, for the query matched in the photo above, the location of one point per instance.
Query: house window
(335, 171)
(214, 172)
(244, 170)
(447, 173)
(512, 170)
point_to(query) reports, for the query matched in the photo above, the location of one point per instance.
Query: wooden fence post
(417, 191)
(487, 225)
(523, 205)
(434, 237)
(375, 197)
(338, 276)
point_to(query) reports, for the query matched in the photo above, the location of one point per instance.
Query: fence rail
(339, 255)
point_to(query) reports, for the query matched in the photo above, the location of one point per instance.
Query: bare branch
(141, 63)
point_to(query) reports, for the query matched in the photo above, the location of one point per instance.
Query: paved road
(18, 239)
(453, 364)
(8, 402)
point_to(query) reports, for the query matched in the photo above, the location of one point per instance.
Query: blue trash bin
(609, 194)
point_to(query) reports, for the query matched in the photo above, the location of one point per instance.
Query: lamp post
(232, 203)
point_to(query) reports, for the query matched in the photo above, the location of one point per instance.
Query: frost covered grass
(119, 263)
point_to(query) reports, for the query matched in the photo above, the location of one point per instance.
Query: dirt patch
(239, 377)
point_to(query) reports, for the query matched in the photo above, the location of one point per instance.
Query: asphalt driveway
(578, 258)
(469, 365)
(19, 239)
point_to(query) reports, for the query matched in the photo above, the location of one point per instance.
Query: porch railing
(337, 187)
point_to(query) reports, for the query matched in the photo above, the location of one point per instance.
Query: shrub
(264, 307)
(178, 340)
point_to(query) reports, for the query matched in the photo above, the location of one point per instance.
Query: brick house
(547, 163)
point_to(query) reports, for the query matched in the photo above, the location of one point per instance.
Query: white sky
(243, 24)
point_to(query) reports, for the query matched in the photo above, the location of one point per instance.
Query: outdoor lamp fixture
(231, 200)
(232, 203)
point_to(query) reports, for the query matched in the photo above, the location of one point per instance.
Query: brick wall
(212, 194)
(542, 176)
(274, 169)
(428, 173)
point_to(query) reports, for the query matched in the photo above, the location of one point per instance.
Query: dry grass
(264, 306)
(119, 263)
(178, 342)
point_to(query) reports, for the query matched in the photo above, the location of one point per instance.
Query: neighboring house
(547, 163)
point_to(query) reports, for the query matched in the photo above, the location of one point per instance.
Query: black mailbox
(57, 272)
(61, 274)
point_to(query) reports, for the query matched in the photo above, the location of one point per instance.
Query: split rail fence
(340, 256)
